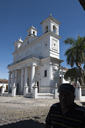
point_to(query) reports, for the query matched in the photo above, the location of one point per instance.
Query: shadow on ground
(24, 124)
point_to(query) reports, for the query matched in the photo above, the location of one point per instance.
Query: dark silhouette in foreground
(24, 124)
(66, 113)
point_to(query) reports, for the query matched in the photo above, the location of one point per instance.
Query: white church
(36, 60)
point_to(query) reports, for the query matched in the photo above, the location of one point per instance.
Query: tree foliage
(76, 54)
(72, 74)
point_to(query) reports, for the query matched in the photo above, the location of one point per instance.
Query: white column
(9, 82)
(78, 92)
(58, 78)
(32, 76)
(25, 85)
(14, 90)
(16, 78)
(56, 31)
(25, 76)
(62, 73)
(56, 92)
(22, 80)
(49, 73)
(50, 28)
(3, 88)
(12, 78)
(49, 77)
(35, 91)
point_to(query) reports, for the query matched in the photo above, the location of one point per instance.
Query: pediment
(28, 40)
(25, 42)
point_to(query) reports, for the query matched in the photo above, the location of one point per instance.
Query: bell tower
(32, 31)
(50, 32)
(50, 24)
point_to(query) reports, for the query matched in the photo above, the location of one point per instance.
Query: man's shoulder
(79, 108)
(55, 105)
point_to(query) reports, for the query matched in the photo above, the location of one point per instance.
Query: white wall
(1, 84)
(54, 47)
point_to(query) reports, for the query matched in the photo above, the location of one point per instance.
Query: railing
(25, 58)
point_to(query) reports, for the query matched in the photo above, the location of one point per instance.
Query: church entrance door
(17, 90)
(38, 86)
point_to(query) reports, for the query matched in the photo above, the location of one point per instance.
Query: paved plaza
(24, 112)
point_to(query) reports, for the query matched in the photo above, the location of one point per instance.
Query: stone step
(29, 95)
(45, 95)
(6, 94)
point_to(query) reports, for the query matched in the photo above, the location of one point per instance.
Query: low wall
(82, 98)
(1, 84)
(83, 92)
(80, 93)
(46, 89)
(45, 95)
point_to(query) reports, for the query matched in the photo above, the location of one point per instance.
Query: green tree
(75, 54)
(72, 74)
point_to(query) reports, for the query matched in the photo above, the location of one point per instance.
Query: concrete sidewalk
(31, 101)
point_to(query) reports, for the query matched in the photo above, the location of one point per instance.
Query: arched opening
(46, 29)
(45, 73)
(28, 82)
(37, 86)
(17, 90)
(54, 29)
(34, 33)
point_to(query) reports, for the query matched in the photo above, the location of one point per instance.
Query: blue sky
(16, 16)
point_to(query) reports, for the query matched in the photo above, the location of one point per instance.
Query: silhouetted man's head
(66, 95)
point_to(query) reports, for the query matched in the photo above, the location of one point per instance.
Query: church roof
(64, 68)
(50, 17)
(32, 28)
(3, 81)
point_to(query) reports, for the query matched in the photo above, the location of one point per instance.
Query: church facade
(36, 60)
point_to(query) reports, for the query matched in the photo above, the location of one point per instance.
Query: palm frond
(70, 41)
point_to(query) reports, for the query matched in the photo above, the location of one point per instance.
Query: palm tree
(75, 54)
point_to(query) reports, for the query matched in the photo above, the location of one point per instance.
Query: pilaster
(9, 82)
(32, 76)
(62, 73)
(12, 78)
(25, 85)
(22, 80)
(16, 78)
(25, 76)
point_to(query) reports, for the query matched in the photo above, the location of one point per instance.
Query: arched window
(45, 73)
(54, 29)
(46, 29)
(38, 86)
(34, 33)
